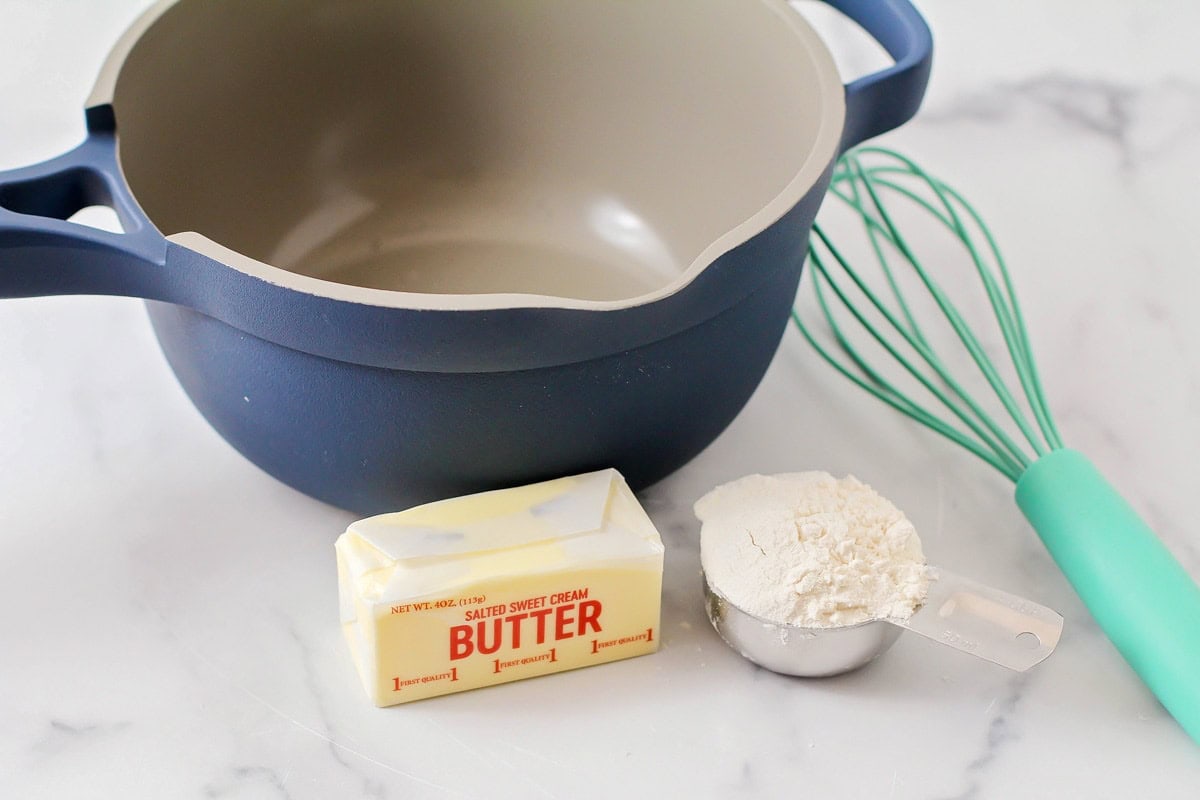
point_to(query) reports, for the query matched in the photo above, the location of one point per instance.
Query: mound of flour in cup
(810, 549)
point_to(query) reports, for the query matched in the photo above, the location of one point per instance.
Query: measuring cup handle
(1146, 602)
(986, 622)
(41, 253)
(884, 100)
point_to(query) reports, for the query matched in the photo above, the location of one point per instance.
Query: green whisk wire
(860, 185)
(1013, 335)
(952, 315)
(884, 389)
(1014, 326)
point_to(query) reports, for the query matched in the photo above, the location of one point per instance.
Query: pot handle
(884, 100)
(41, 253)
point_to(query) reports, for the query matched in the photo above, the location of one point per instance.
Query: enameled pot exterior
(373, 439)
(372, 407)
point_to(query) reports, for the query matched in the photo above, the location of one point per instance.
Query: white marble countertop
(168, 615)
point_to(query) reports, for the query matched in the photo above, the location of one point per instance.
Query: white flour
(809, 549)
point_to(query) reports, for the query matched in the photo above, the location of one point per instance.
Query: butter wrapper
(500, 586)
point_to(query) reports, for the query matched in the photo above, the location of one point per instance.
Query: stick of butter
(499, 586)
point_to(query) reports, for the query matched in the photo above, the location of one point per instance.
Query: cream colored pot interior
(592, 153)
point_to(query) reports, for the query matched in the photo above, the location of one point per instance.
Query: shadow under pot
(403, 251)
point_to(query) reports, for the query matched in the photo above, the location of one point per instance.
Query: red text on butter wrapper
(555, 617)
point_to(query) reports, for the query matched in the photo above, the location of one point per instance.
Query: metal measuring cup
(957, 612)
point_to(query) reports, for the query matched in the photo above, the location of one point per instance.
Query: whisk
(1140, 595)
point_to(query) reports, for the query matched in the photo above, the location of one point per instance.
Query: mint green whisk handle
(1139, 594)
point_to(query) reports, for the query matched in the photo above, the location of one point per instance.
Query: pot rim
(824, 149)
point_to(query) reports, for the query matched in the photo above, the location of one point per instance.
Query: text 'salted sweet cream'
(499, 586)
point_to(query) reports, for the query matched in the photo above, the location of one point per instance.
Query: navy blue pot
(257, 166)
